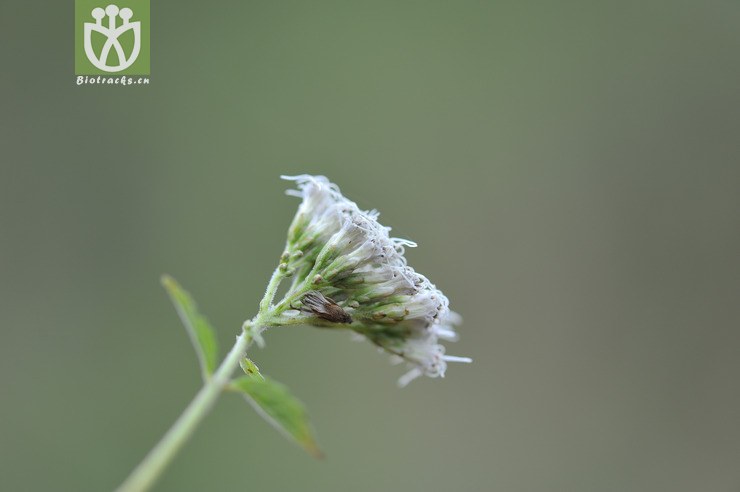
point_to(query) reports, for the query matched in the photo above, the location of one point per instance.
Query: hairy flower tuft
(345, 263)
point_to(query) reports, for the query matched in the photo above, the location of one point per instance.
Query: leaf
(282, 410)
(251, 369)
(199, 329)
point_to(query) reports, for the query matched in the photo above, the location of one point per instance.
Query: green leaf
(199, 329)
(251, 369)
(282, 410)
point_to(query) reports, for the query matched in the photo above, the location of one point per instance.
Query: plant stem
(144, 475)
(272, 286)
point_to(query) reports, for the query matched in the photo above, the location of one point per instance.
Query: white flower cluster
(344, 253)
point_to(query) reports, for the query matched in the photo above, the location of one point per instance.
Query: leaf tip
(166, 280)
(313, 449)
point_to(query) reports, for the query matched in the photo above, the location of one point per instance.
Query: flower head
(345, 263)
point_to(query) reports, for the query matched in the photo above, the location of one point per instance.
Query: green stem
(144, 475)
(149, 470)
(272, 286)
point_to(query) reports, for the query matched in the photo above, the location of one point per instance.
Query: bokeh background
(569, 169)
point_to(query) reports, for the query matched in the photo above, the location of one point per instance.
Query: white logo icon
(111, 32)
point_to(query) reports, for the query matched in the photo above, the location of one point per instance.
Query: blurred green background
(569, 169)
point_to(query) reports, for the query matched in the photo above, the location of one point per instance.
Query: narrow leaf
(282, 410)
(251, 369)
(199, 329)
